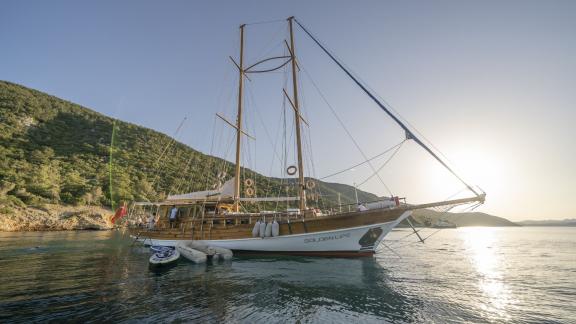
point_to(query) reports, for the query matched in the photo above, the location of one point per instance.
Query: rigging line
(409, 133)
(383, 165)
(248, 157)
(211, 159)
(262, 121)
(343, 126)
(228, 150)
(172, 140)
(182, 179)
(434, 233)
(269, 45)
(284, 161)
(182, 183)
(156, 168)
(389, 248)
(274, 149)
(270, 69)
(265, 22)
(406, 236)
(188, 181)
(406, 121)
(223, 164)
(448, 208)
(363, 162)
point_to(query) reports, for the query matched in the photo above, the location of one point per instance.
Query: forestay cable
(409, 133)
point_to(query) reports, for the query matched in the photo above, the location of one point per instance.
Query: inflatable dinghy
(164, 257)
(213, 252)
(190, 253)
(160, 248)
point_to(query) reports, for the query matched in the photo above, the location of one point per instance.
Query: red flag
(120, 212)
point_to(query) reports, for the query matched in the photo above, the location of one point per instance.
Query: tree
(73, 188)
(44, 181)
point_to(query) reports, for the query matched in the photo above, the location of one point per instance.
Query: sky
(489, 83)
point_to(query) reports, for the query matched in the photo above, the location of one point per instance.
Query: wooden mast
(239, 122)
(301, 184)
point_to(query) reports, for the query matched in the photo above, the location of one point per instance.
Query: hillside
(57, 152)
(461, 219)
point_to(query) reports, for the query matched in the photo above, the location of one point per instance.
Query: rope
(409, 133)
(383, 165)
(359, 164)
(344, 126)
(264, 22)
(163, 153)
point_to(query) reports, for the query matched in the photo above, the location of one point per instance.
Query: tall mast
(301, 184)
(239, 122)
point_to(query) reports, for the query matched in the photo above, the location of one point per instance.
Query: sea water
(519, 275)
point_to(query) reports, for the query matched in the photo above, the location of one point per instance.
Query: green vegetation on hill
(54, 151)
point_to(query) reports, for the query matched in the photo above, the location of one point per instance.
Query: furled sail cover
(226, 191)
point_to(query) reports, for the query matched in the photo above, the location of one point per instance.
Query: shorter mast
(301, 184)
(239, 123)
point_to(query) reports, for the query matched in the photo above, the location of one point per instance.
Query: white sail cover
(226, 191)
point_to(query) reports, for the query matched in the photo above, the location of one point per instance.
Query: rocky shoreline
(56, 218)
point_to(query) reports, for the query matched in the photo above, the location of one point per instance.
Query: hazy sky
(490, 83)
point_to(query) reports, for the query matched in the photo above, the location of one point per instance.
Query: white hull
(346, 240)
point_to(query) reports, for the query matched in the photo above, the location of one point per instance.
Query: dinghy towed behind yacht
(214, 217)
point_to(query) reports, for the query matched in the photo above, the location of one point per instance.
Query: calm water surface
(519, 275)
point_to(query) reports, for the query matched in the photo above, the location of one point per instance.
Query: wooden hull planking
(347, 235)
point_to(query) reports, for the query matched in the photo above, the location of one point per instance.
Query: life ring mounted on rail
(291, 170)
(310, 184)
(249, 192)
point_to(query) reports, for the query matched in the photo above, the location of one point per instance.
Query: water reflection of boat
(220, 217)
(263, 289)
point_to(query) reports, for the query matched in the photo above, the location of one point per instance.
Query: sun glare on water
(482, 245)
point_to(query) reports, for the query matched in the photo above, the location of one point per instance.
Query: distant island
(549, 222)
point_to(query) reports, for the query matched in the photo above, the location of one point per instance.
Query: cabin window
(244, 221)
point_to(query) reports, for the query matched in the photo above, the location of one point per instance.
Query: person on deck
(173, 216)
(151, 220)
